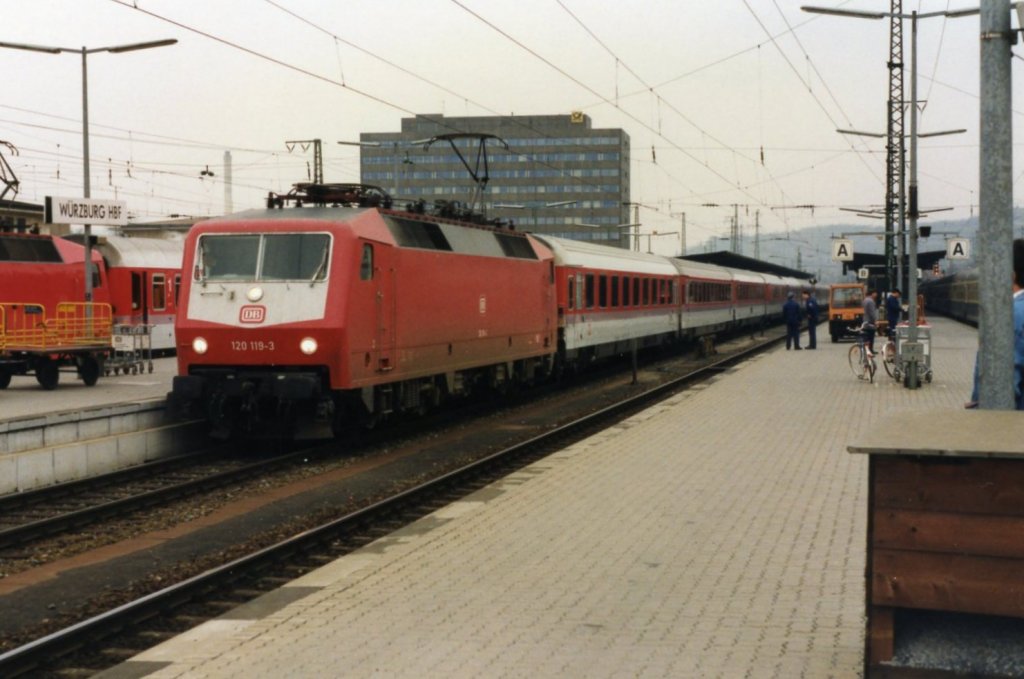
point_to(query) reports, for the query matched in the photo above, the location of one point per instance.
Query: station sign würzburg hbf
(85, 211)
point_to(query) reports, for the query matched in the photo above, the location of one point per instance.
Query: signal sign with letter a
(958, 248)
(842, 250)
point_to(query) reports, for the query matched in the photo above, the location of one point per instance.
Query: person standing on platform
(791, 315)
(870, 320)
(811, 310)
(1018, 331)
(893, 310)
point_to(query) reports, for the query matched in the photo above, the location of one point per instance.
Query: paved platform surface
(718, 534)
(24, 397)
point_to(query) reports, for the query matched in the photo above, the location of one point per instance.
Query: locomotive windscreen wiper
(319, 269)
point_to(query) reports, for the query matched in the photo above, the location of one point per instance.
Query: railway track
(46, 512)
(119, 634)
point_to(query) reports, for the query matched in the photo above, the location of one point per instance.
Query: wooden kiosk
(945, 520)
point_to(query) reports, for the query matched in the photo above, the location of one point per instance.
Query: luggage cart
(924, 338)
(132, 349)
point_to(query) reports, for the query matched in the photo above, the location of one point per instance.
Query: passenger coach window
(366, 266)
(615, 290)
(602, 291)
(636, 292)
(647, 291)
(571, 293)
(590, 291)
(159, 292)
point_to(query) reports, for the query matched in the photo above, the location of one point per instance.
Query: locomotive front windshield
(263, 257)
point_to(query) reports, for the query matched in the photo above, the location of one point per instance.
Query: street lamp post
(85, 52)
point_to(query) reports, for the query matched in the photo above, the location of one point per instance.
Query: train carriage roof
(159, 253)
(592, 256)
(692, 269)
(750, 277)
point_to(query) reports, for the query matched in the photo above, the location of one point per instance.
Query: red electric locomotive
(349, 313)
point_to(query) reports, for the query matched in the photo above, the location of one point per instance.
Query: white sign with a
(863, 273)
(958, 248)
(842, 250)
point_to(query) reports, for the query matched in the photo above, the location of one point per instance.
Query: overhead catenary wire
(279, 61)
(662, 100)
(349, 88)
(718, 162)
(591, 90)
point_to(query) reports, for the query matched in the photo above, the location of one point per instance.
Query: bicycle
(892, 369)
(862, 361)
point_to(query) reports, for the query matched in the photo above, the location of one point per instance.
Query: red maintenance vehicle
(43, 329)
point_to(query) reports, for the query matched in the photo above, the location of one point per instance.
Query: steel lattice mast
(894, 175)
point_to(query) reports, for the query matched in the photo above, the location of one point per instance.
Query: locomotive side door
(386, 309)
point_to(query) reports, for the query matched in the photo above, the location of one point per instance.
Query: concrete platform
(75, 431)
(25, 398)
(719, 534)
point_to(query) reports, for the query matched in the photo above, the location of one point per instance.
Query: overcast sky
(704, 88)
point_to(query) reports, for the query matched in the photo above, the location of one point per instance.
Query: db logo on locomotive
(252, 313)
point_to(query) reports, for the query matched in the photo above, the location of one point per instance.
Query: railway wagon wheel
(89, 370)
(47, 373)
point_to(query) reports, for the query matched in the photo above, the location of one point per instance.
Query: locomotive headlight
(308, 346)
(199, 345)
(255, 294)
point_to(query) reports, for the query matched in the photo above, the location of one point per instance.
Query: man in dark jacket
(811, 309)
(791, 315)
(893, 310)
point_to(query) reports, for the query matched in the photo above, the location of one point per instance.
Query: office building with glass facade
(559, 175)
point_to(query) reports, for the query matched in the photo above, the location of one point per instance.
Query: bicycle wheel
(889, 359)
(856, 364)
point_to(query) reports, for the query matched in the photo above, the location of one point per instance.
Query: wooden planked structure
(945, 519)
